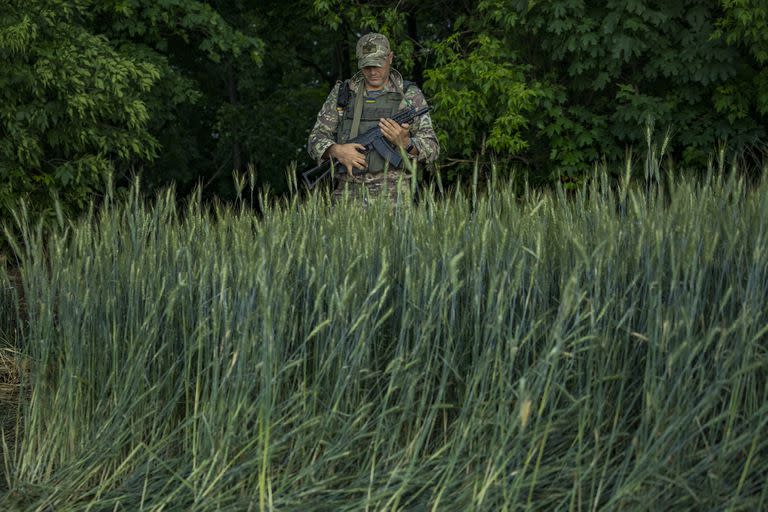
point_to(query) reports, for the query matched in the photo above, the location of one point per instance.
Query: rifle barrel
(405, 115)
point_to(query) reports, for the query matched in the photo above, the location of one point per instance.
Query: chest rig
(382, 106)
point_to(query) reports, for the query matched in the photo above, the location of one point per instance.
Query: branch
(315, 66)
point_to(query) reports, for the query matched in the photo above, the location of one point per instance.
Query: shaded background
(186, 92)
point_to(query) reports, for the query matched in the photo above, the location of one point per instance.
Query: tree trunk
(237, 162)
(413, 33)
(343, 67)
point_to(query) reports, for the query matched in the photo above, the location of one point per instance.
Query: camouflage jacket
(324, 133)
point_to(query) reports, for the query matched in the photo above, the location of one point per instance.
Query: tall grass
(8, 306)
(605, 349)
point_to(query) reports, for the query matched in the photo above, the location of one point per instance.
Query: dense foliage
(189, 90)
(69, 103)
(603, 351)
(90, 87)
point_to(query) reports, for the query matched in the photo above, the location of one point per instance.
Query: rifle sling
(358, 114)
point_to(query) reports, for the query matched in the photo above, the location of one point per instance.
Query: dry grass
(12, 367)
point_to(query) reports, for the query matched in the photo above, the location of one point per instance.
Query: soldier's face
(376, 77)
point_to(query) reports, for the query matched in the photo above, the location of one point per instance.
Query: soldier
(366, 100)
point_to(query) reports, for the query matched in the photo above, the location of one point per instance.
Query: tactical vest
(384, 105)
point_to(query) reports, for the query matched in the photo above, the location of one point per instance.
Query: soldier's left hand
(395, 133)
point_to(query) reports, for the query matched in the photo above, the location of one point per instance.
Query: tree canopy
(188, 91)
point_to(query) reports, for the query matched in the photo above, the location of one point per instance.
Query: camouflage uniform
(327, 131)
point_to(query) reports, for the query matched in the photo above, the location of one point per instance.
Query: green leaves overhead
(187, 90)
(481, 97)
(744, 23)
(609, 68)
(70, 104)
(189, 20)
(81, 98)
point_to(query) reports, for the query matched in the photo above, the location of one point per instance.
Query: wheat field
(511, 350)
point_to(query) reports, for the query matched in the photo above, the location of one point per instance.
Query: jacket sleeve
(323, 134)
(422, 132)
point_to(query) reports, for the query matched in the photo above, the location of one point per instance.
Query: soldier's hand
(395, 133)
(349, 155)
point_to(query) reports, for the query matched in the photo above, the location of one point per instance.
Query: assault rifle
(371, 139)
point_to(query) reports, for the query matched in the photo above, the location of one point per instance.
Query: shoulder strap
(358, 113)
(343, 98)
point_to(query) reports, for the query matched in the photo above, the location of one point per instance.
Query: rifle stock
(372, 140)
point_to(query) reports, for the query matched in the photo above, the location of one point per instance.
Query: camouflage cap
(372, 50)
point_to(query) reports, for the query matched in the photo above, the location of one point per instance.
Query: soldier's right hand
(349, 155)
